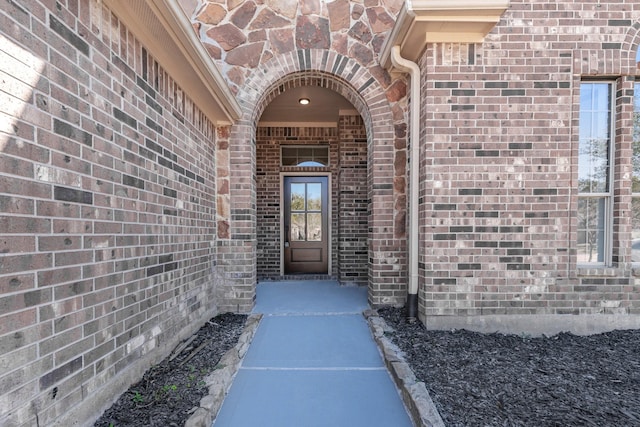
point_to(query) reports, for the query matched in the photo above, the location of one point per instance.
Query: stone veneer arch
(354, 82)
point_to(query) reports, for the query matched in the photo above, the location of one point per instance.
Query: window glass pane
(297, 197)
(298, 227)
(314, 229)
(591, 228)
(314, 196)
(595, 120)
(305, 156)
(289, 161)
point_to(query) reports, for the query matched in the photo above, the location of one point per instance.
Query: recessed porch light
(304, 101)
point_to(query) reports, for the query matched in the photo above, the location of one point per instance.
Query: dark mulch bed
(169, 392)
(508, 380)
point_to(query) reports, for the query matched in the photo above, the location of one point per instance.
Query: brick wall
(347, 144)
(499, 163)
(353, 204)
(107, 200)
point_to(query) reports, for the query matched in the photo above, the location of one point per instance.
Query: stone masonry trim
(416, 398)
(220, 380)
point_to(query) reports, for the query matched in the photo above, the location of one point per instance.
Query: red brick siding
(499, 164)
(353, 206)
(107, 209)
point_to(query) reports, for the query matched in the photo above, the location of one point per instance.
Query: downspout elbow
(412, 68)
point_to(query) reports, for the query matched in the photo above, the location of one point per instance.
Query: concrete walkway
(312, 362)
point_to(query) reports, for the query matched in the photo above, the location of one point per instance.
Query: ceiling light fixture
(304, 101)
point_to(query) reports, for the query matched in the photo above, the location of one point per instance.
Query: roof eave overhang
(421, 22)
(164, 30)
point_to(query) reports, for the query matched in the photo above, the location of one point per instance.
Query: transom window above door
(293, 155)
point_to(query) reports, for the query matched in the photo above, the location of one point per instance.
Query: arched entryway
(311, 182)
(382, 210)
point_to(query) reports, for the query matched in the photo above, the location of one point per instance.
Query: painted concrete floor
(312, 362)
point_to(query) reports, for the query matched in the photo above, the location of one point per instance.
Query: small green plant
(165, 391)
(191, 378)
(172, 387)
(137, 398)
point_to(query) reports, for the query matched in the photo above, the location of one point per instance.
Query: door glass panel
(298, 227)
(297, 197)
(314, 196)
(314, 229)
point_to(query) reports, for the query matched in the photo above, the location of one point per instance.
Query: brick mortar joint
(414, 393)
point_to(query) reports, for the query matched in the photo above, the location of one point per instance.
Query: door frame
(329, 220)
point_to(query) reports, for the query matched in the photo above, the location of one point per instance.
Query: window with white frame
(635, 183)
(595, 173)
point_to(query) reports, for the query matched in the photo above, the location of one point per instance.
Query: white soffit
(164, 30)
(441, 21)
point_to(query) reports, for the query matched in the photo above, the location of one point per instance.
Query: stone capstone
(361, 53)
(228, 36)
(287, 8)
(377, 42)
(393, 6)
(381, 75)
(237, 76)
(212, 14)
(339, 14)
(281, 40)
(360, 31)
(357, 11)
(232, 4)
(310, 7)
(246, 56)
(268, 19)
(397, 91)
(244, 14)
(340, 43)
(312, 32)
(214, 51)
(257, 36)
(379, 19)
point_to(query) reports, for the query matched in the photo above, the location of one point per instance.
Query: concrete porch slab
(313, 398)
(315, 341)
(309, 297)
(312, 362)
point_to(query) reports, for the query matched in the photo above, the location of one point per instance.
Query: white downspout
(412, 68)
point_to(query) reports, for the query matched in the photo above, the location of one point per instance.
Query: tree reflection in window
(305, 156)
(594, 172)
(635, 183)
(306, 212)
